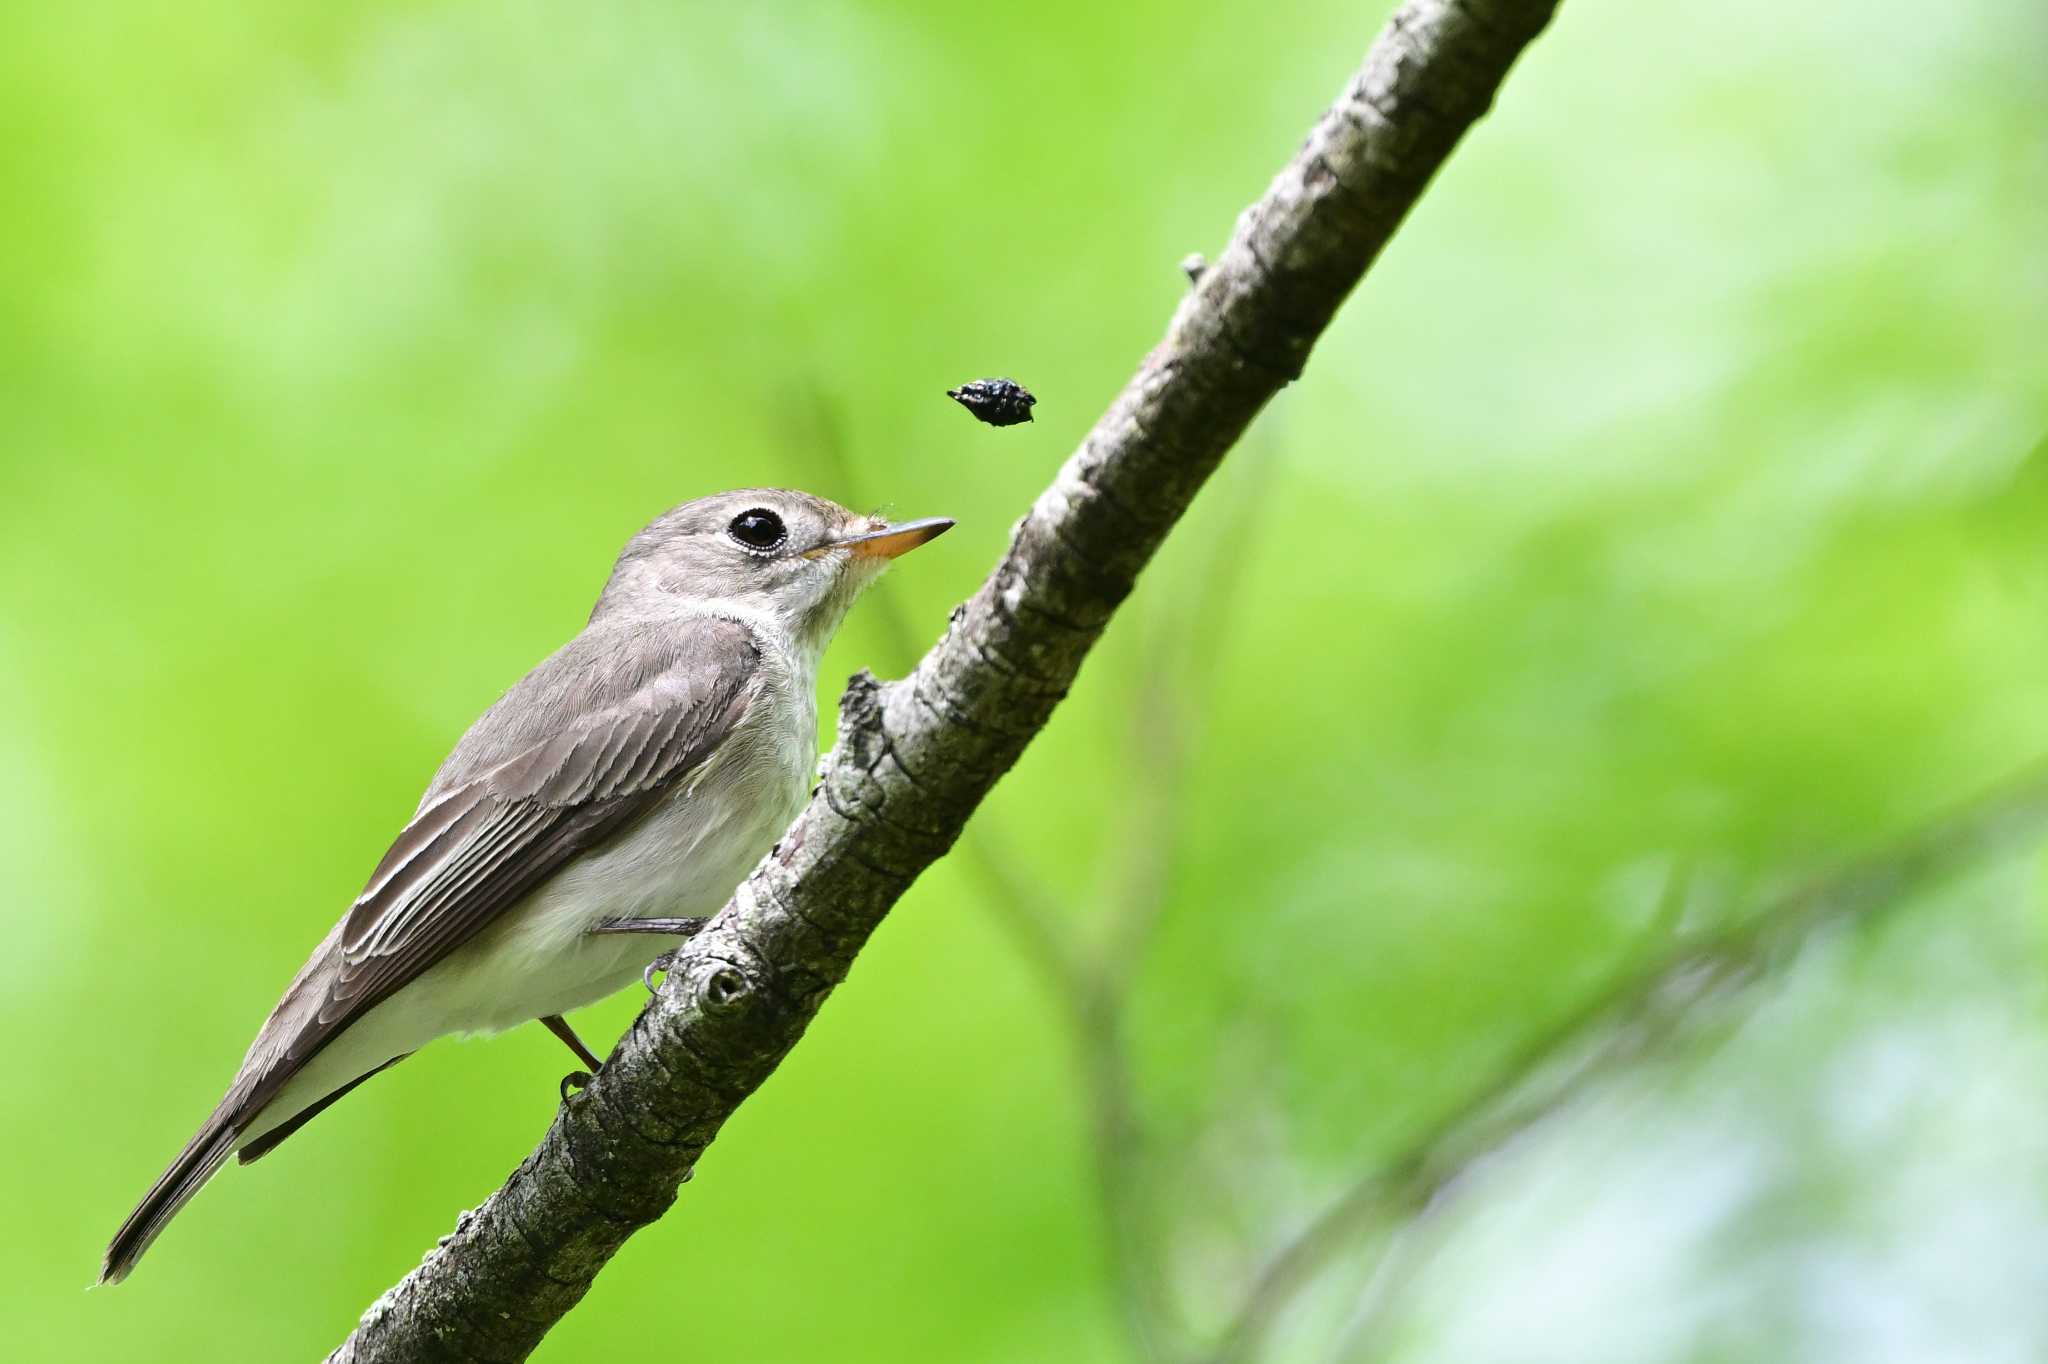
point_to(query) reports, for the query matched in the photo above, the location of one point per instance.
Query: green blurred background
(1668, 509)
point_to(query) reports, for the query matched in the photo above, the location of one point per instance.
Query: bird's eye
(759, 530)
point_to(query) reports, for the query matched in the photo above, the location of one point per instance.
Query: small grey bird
(624, 786)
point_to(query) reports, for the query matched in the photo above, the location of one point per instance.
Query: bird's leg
(559, 1026)
(683, 928)
(575, 1079)
(673, 928)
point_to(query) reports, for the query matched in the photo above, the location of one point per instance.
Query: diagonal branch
(916, 757)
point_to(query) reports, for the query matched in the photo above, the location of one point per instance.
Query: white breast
(540, 957)
(682, 860)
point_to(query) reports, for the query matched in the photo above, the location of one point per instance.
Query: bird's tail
(202, 1157)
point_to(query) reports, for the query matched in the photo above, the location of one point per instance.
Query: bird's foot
(574, 1082)
(662, 964)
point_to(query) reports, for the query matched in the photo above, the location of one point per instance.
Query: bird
(581, 828)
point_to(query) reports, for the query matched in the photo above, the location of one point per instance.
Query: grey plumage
(673, 736)
(570, 756)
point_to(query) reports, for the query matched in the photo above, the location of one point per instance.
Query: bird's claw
(573, 1081)
(661, 963)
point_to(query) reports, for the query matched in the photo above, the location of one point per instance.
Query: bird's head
(796, 560)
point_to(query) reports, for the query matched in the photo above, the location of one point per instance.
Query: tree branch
(916, 757)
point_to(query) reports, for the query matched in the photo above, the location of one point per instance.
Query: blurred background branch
(1676, 981)
(1091, 982)
(1676, 978)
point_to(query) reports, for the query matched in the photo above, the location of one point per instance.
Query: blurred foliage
(1663, 501)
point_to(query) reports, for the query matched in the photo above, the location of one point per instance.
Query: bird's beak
(899, 537)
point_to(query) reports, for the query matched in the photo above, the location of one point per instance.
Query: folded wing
(582, 747)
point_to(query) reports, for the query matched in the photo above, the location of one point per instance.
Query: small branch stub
(724, 987)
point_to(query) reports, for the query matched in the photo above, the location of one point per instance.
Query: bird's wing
(574, 753)
(581, 748)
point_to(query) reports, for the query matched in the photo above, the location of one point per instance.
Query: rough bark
(916, 757)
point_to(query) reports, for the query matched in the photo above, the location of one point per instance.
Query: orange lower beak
(892, 540)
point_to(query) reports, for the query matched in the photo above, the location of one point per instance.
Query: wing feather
(571, 756)
(510, 809)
